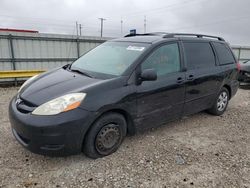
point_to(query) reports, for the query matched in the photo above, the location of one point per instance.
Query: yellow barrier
(19, 73)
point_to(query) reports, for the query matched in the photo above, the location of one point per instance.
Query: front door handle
(190, 77)
(180, 80)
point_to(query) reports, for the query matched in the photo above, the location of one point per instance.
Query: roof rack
(171, 35)
(147, 34)
(132, 35)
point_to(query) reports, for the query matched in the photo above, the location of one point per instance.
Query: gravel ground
(198, 151)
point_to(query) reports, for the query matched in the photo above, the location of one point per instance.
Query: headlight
(61, 104)
(26, 82)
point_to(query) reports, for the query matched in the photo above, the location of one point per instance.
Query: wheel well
(129, 119)
(229, 90)
(127, 116)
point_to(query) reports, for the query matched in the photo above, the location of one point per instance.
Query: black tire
(216, 110)
(105, 135)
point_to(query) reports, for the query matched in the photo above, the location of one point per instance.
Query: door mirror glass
(148, 75)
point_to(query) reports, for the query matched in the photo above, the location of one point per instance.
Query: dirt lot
(198, 151)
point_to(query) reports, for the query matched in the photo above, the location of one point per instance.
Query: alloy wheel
(222, 101)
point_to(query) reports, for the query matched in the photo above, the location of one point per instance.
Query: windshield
(111, 58)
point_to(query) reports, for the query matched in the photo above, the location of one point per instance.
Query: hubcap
(107, 138)
(222, 101)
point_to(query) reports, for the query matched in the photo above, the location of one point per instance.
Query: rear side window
(224, 53)
(199, 55)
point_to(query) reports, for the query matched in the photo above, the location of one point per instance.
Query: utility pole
(102, 19)
(121, 27)
(145, 24)
(80, 26)
(77, 41)
(76, 29)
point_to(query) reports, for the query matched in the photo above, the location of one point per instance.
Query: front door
(161, 100)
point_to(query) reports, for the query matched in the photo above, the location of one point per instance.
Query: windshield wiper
(81, 72)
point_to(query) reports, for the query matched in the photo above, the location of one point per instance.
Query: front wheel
(221, 102)
(105, 135)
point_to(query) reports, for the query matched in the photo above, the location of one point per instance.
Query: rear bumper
(234, 87)
(56, 135)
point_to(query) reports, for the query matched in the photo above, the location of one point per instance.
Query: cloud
(226, 18)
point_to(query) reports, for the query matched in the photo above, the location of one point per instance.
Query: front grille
(24, 106)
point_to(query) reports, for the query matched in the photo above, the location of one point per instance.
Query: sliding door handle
(190, 77)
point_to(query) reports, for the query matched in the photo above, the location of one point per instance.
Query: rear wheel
(221, 102)
(105, 136)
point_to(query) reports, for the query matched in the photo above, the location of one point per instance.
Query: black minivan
(120, 87)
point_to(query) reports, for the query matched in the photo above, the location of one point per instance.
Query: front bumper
(56, 135)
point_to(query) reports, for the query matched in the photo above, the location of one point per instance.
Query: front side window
(164, 60)
(111, 58)
(199, 55)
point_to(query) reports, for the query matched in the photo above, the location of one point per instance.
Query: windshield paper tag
(135, 48)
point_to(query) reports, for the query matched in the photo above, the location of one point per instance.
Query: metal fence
(35, 51)
(42, 51)
(241, 52)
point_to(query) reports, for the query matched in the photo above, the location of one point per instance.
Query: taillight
(238, 67)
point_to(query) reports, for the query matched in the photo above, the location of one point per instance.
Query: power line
(54, 25)
(51, 25)
(230, 19)
(174, 6)
(41, 19)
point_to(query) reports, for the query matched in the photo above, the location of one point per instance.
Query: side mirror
(148, 75)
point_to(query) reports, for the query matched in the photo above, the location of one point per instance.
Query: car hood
(245, 67)
(56, 83)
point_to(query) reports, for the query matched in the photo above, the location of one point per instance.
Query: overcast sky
(227, 18)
